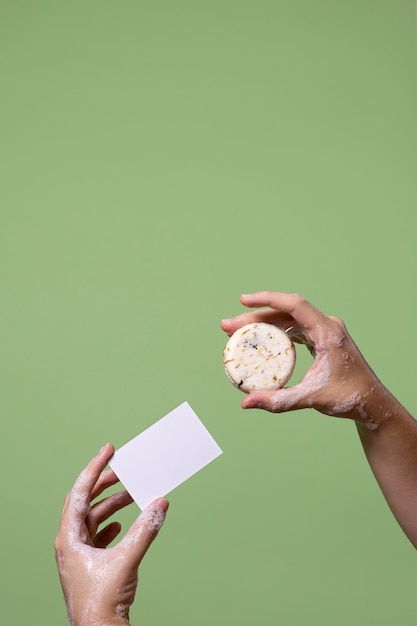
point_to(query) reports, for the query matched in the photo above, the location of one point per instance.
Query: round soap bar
(259, 356)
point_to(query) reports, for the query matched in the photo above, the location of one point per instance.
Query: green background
(157, 159)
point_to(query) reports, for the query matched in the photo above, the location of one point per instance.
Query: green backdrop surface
(157, 159)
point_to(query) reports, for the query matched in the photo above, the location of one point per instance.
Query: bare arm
(392, 454)
(341, 383)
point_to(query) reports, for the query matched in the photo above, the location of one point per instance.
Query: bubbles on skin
(335, 339)
(101, 570)
(73, 536)
(346, 405)
(149, 522)
(152, 518)
(121, 610)
(315, 379)
(100, 583)
(327, 339)
(70, 612)
(78, 501)
(320, 342)
(79, 505)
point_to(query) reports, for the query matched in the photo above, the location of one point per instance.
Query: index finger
(293, 304)
(270, 316)
(78, 501)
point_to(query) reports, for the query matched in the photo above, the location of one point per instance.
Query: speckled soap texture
(259, 356)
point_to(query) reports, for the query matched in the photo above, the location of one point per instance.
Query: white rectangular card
(164, 455)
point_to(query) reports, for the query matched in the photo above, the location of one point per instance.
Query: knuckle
(338, 321)
(58, 544)
(297, 300)
(339, 326)
(337, 332)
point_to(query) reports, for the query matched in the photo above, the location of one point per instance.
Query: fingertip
(153, 516)
(106, 451)
(160, 503)
(106, 447)
(256, 400)
(249, 402)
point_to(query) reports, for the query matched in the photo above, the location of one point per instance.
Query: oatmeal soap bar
(259, 356)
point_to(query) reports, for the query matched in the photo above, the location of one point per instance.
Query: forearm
(340, 383)
(391, 450)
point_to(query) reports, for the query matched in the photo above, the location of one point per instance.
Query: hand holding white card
(164, 455)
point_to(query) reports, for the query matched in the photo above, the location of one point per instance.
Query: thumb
(279, 401)
(143, 531)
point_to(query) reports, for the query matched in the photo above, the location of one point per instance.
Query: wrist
(376, 407)
(99, 620)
